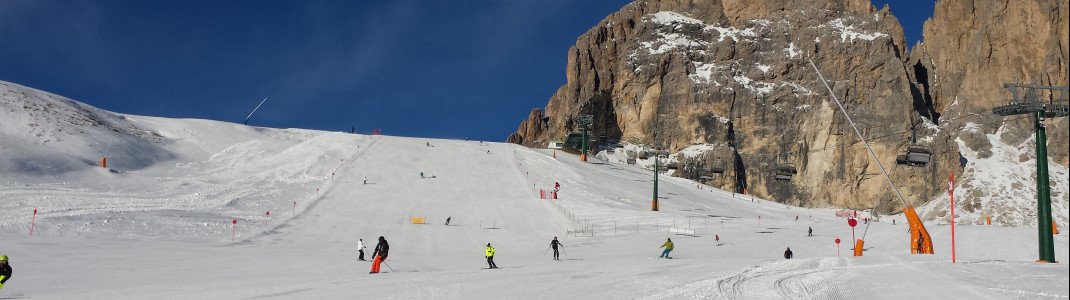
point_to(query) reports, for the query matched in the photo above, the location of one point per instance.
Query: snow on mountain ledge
(1002, 186)
(669, 18)
(850, 32)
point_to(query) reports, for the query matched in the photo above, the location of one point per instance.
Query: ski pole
(547, 250)
(388, 266)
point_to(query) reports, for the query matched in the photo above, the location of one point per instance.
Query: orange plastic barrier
(417, 220)
(104, 162)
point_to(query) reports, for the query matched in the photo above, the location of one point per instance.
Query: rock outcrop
(735, 76)
(970, 49)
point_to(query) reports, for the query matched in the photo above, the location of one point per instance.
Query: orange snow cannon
(920, 241)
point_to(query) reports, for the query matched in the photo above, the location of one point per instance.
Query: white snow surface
(163, 230)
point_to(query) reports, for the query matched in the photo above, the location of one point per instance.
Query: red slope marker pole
(294, 213)
(852, 223)
(268, 221)
(33, 220)
(233, 229)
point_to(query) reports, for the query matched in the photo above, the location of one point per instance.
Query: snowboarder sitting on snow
(554, 244)
(787, 253)
(381, 250)
(360, 248)
(668, 248)
(5, 270)
(490, 257)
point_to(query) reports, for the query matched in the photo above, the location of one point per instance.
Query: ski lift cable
(868, 148)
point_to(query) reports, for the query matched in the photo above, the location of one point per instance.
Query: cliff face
(735, 77)
(970, 49)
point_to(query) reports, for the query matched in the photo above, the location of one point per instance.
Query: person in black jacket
(5, 270)
(788, 254)
(554, 244)
(381, 250)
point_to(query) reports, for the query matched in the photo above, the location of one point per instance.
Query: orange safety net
(920, 241)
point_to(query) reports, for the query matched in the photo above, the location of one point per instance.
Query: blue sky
(447, 69)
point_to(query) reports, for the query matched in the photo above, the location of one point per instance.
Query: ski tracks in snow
(787, 279)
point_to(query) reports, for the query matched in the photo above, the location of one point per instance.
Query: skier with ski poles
(360, 248)
(554, 244)
(381, 250)
(668, 248)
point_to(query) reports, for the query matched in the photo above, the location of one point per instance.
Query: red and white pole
(294, 213)
(233, 229)
(33, 220)
(951, 193)
(268, 221)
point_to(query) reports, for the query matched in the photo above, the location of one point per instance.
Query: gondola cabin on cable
(715, 171)
(784, 173)
(915, 156)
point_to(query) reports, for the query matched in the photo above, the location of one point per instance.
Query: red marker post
(268, 221)
(837, 246)
(294, 213)
(852, 223)
(33, 220)
(233, 228)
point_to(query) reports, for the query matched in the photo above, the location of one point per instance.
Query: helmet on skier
(3, 258)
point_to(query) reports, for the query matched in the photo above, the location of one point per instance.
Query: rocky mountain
(733, 79)
(970, 49)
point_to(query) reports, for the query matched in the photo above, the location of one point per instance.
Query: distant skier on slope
(554, 244)
(809, 231)
(360, 248)
(448, 220)
(788, 254)
(668, 248)
(5, 270)
(490, 257)
(381, 250)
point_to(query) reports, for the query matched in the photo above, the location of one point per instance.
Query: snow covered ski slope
(159, 226)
